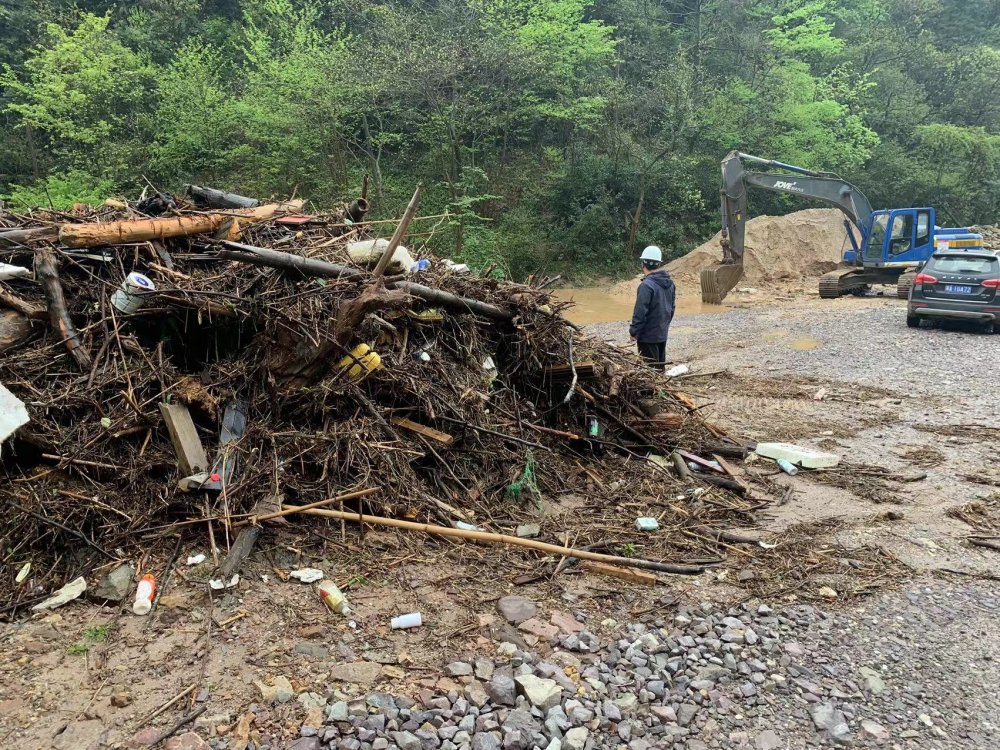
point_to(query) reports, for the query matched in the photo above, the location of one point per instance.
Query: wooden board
(626, 574)
(191, 456)
(428, 432)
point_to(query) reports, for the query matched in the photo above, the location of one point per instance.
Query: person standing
(654, 309)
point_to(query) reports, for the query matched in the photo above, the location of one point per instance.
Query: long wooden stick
(289, 510)
(397, 236)
(153, 714)
(490, 538)
(47, 273)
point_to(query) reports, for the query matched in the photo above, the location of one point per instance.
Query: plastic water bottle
(144, 595)
(405, 622)
(333, 598)
(421, 265)
(788, 467)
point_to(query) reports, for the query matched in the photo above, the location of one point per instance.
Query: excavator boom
(825, 187)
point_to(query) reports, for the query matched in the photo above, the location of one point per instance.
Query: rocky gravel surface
(864, 341)
(913, 668)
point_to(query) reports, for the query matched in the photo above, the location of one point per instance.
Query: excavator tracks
(905, 284)
(830, 284)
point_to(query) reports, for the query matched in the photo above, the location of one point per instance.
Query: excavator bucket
(719, 281)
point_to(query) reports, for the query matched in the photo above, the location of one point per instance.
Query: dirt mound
(991, 236)
(796, 246)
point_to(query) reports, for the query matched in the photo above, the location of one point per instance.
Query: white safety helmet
(652, 254)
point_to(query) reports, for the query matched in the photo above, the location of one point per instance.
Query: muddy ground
(912, 412)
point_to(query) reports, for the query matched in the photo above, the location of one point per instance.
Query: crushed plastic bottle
(333, 598)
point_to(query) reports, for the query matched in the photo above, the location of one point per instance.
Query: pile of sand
(797, 246)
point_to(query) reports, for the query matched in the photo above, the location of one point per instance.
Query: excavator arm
(825, 187)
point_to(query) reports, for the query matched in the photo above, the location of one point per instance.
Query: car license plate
(956, 289)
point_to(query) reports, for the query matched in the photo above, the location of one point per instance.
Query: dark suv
(957, 285)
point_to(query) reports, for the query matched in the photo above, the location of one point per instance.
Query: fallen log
(490, 538)
(213, 198)
(313, 267)
(19, 237)
(28, 310)
(14, 328)
(144, 230)
(452, 301)
(140, 230)
(260, 256)
(47, 273)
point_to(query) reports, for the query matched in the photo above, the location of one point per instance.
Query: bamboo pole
(397, 236)
(490, 538)
(289, 510)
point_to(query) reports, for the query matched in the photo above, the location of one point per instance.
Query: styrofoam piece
(13, 413)
(7, 271)
(795, 454)
(369, 251)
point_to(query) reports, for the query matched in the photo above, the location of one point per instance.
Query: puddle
(804, 344)
(596, 305)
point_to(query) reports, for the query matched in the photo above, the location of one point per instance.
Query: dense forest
(562, 134)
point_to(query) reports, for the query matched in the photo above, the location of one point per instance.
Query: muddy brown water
(597, 305)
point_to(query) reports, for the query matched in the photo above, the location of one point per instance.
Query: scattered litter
(455, 267)
(13, 413)
(22, 573)
(66, 594)
(677, 371)
(144, 594)
(787, 466)
(405, 622)
(196, 559)
(820, 394)
(803, 457)
(7, 271)
(217, 584)
(333, 598)
(827, 593)
(528, 530)
(647, 523)
(133, 293)
(466, 526)
(307, 575)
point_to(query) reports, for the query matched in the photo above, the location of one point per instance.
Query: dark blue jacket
(654, 308)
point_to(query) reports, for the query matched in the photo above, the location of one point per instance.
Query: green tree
(85, 96)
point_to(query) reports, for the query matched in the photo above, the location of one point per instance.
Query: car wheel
(913, 321)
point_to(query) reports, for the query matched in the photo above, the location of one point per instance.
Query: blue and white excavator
(893, 242)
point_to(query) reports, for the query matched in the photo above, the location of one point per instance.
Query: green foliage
(96, 633)
(60, 191)
(562, 134)
(78, 649)
(85, 93)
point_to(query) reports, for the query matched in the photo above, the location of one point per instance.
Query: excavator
(893, 244)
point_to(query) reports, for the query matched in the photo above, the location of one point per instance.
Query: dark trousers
(655, 353)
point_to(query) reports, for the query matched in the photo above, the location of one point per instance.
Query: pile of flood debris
(194, 364)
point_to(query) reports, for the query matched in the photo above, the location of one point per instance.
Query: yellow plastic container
(361, 362)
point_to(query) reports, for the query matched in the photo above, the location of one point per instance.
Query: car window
(965, 264)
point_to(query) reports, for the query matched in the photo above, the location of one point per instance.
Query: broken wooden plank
(428, 432)
(191, 456)
(625, 574)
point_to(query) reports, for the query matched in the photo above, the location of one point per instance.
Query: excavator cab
(900, 237)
